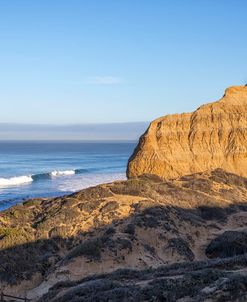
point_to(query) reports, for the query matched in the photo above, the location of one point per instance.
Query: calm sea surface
(43, 169)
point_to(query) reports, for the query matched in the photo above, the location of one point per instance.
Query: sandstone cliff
(213, 136)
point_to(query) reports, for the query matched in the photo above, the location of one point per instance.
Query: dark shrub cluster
(228, 244)
(90, 248)
(180, 246)
(213, 213)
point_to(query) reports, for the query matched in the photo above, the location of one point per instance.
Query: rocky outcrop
(213, 136)
(136, 224)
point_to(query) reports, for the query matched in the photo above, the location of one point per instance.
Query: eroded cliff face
(213, 136)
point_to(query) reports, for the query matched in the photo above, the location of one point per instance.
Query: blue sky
(106, 61)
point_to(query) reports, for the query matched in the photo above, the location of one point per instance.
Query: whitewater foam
(62, 173)
(88, 180)
(15, 181)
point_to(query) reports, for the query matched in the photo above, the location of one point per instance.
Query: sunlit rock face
(213, 136)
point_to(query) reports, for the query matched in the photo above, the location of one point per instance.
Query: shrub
(130, 229)
(91, 249)
(32, 202)
(228, 244)
(180, 246)
(213, 213)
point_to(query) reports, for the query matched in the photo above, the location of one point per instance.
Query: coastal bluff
(213, 136)
(179, 235)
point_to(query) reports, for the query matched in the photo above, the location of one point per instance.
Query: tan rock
(213, 136)
(134, 224)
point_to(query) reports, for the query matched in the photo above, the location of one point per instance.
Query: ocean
(46, 169)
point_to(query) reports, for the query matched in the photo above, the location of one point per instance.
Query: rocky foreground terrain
(144, 239)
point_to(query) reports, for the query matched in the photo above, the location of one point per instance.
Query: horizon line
(71, 140)
(71, 124)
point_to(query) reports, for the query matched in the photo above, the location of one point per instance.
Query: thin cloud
(108, 131)
(104, 80)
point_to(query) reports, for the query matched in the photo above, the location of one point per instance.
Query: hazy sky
(104, 61)
(106, 132)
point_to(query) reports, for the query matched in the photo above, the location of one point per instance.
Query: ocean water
(45, 169)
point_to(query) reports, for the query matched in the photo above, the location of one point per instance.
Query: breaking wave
(62, 173)
(27, 179)
(15, 181)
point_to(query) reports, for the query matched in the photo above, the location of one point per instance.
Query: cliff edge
(213, 136)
